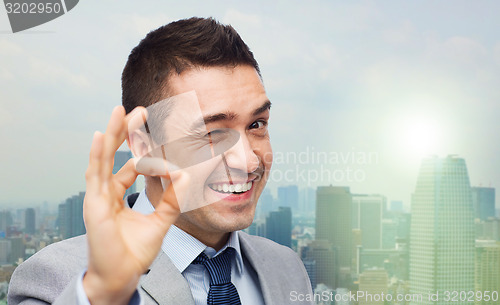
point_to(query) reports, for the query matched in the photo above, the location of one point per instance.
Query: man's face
(229, 98)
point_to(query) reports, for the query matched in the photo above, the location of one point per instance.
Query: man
(127, 256)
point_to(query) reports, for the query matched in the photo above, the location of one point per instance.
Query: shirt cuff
(84, 300)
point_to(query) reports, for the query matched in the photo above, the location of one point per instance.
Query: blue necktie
(222, 291)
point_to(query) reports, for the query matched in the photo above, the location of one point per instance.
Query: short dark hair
(177, 47)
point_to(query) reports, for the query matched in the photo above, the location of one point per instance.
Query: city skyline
(393, 258)
(391, 79)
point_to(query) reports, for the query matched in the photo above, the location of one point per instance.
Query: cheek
(266, 155)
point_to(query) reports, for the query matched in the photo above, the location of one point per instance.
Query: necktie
(222, 291)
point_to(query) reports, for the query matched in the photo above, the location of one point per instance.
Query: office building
(374, 284)
(483, 200)
(4, 251)
(333, 220)
(368, 211)
(30, 221)
(324, 255)
(288, 196)
(442, 230)
(307, 200)
(265, 204)
(70, 218)
(5, 220)
(17, 250)
(279, 226)
(487, 268)
(396, 206)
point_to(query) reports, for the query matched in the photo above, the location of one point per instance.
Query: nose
(242, 156)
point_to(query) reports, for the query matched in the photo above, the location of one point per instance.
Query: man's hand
(122, 242)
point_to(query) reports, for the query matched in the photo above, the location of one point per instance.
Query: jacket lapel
(165, 284)
(269, 277)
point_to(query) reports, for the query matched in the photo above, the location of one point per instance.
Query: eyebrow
(227, 116)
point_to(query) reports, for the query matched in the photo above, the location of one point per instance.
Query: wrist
(101, 291)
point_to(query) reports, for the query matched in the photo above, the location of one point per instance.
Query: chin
(235, 218)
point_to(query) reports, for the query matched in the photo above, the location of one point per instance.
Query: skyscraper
(333, 220)
(71, 216)
(307, 200)
(487, 268)
(5, 220)
(29, 222)
(17, 249)
(121, 157)
(373, 283)
(288, 196)
(279, 226)
(442, 230)
(483, 200)
(265, 204)
(324, 255)
(368, 211)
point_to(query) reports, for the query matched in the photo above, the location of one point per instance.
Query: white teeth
(232, 188)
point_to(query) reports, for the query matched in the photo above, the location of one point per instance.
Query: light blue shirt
(183, 248)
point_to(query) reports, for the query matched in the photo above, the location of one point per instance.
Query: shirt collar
(191, 247)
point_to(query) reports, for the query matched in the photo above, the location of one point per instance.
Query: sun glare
(421, 136)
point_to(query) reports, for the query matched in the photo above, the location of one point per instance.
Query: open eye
(258, 124)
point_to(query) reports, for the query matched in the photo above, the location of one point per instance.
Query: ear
(139, 143)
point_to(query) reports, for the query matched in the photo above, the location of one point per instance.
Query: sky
(361, 90)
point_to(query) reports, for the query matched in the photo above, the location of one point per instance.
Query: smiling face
(227, 186)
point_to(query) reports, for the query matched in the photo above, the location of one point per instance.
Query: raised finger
(116, 133)
(92, 175)
(167, 210)
(126, 176)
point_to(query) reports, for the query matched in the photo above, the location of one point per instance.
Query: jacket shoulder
(268, 249)
(44, 275)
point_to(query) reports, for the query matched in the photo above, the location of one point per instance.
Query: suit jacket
(50, 276)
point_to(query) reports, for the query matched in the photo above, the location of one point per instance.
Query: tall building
(5, 220)
(265, 204)
(310, 265)
(374, 284)
(397, 206)
(71, 217)
(442, 230)
(487, 268)
(30, 221)
(324, 255)
(389, 233)
(121, 157)
(288, 196)
(279, 226)
(483, 200)
(333, 220)
(17, 249)
(307, 200)
(368, 211)
(4, 251)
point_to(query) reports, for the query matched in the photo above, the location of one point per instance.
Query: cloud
(139, 25)
(458, 50)
(248, 21)
(22, 63)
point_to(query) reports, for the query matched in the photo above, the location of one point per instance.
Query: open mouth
(227, 188)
